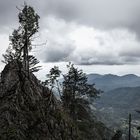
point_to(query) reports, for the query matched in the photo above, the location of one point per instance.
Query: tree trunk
(129, 126)
(26, 56)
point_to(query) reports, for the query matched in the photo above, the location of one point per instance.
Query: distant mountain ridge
(109, 82)
(114, 106)
(128, 98)
(121, 97)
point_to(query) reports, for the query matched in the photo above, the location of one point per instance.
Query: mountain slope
(28, 111)
(120, 98)
(109, 82)
(114, 107)
(125, 97)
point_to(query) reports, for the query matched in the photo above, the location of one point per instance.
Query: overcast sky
(99, 36)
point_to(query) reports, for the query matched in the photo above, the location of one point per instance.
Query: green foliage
(76, 91)
(20, 40)
(52, 77)
(76, 96)
(8, 56)
(28, 20)
(33, 63)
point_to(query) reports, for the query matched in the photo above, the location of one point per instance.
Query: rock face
(28, 111)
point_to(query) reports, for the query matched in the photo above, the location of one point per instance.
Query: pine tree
(28, 20)
(52, 78)
(76, 91)
(21, 39)
(33, 64)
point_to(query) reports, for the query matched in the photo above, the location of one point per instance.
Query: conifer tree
(52, 78)
(28, 20)
(76, 90)
(21, 39)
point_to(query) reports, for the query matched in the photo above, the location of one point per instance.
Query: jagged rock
(28, 111)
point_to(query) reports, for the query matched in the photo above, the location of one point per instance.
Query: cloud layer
(96, 13)
(86, 32)
(86, 46)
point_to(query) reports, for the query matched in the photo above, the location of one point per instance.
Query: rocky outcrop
(29, 111)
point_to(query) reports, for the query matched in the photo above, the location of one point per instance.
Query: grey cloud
(9, 12)
(100, 14)
(110, 61)
(133, 52)
(123, 57)
(131, 60)
(103, 48)
(97, 13)
(98, 60)
(100, 63)
(56, 52)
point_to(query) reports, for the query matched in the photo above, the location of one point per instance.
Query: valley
(120, 97)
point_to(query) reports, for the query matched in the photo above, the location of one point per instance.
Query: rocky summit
(28, 110)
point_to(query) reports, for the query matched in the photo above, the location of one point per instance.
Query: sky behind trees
(98, 36)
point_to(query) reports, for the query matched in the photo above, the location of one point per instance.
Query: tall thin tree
(21, 39)
(28, 20)
(129, 135)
